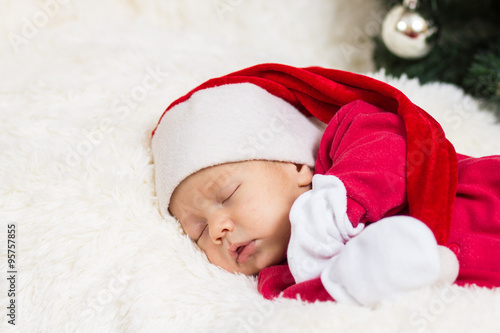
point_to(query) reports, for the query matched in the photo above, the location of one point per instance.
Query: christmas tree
(464, 42)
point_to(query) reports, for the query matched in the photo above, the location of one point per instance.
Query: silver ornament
(406, 33)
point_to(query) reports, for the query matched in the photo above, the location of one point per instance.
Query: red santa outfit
(365, 148)
(381, 157)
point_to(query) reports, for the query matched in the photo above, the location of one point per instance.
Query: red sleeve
(365, 147)
(277, 280)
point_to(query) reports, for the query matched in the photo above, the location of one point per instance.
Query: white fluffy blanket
(83, 84)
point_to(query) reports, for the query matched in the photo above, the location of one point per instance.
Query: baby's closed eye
(229, 192)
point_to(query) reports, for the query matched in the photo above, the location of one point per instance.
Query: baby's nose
(219, 225)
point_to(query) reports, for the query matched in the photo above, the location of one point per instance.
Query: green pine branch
(467, 52)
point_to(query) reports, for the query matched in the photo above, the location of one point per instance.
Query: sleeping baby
(364, 209)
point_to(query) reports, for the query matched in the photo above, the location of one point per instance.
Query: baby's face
(237, 213)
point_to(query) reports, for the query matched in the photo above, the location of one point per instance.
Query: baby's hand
(389, 258)
(320, 227)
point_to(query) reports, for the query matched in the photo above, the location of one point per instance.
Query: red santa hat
(264, 113)
(228, 123)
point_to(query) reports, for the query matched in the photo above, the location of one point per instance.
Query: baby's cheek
(206, 248)
(273, 255)
(215, 256)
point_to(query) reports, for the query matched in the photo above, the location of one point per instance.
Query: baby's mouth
(241, 252)
(238, 250)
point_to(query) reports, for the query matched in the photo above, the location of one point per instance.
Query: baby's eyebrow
(209, 188)
(213, 186)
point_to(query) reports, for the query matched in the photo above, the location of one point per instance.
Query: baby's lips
(236, 248)
(246, 252)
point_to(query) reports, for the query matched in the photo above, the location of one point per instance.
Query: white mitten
(320, 227)
(389, 258)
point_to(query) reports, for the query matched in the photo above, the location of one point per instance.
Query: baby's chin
(262, 258)
(249, 268)
(249, 271)
(260, 262)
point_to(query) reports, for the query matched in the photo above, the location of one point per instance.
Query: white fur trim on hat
(229, 123)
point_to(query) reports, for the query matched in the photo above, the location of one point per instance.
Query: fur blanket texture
(83, 83)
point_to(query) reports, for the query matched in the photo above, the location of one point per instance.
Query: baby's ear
(304, 175)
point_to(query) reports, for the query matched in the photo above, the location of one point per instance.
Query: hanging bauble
(407, 33)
